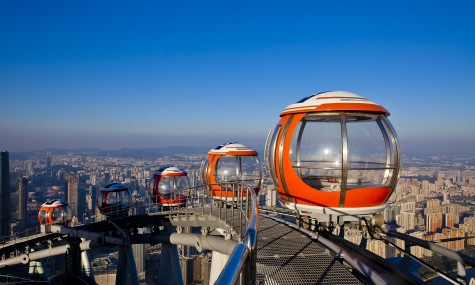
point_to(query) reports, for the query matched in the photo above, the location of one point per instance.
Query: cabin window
(226, 169)
(334, 152)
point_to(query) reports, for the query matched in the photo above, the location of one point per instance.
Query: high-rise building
(407, 220)
(75, 197)
(29, 167)
(453, 233)
(468, 227)
(460, 177)
(48, 168)
(433, 203)
(91, 201)
(82, 205)
(434, 222)
(139, 257)
(445, 199)
(106, 177)
(73, 194)
(408, 207)
(418, 251)
(48, 160)
(450, 220)
(4, 193)
(391, 212)
(425, 185)
(381, 248)
(22, 199)
(94, 180)
(196, 269)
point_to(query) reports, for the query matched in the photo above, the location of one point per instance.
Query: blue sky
(114, 74)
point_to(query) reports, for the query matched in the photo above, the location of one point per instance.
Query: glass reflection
(317, 151)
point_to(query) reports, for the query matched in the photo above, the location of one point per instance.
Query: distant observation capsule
(334, 157)
(114, 200)
(55, 212)
(167, 185)
(227, 164)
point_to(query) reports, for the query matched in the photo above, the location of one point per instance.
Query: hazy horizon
(407, 149)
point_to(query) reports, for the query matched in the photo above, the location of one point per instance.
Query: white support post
(218, 262)
(86, 264)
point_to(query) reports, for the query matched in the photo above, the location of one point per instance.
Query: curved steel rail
(463, 261)
(352, 257)
(242, 261)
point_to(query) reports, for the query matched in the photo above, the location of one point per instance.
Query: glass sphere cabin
(334, 153)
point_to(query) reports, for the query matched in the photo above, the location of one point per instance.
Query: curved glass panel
(250, 172)
(150, 186)
(111, 199)
(181, 182)
(370, 153)
(367, 151)
(316, 151)
(123, 198)
(67, 214)
(57, 215)
(226, 169)
(203, 171)
(165, 185)
(43, 215)
(99, 199)
(391, 175)
(270, 154)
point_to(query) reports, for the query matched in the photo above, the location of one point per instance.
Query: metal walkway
(287, 256)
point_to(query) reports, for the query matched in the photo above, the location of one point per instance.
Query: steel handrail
(461, 259)
(446, 252)
(244, 257)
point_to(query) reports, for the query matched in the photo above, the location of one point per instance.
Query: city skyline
(433, 201)
(109, 75)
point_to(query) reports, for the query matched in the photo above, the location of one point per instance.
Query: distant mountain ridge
(138, 153)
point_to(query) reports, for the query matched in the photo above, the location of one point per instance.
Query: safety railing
(461, 261)
(20, 236)
(229, 202)
(234, 203)
(242, 262)
(453, 267)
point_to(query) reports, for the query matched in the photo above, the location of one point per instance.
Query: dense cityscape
(433, 199)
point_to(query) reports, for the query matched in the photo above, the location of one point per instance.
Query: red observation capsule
(55, 212)
(228, 164)
(334, 154)
(167, 185)
(114, 200)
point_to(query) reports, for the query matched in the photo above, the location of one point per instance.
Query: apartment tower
(4, 194)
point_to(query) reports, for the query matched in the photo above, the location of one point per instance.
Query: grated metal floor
(286, 256)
